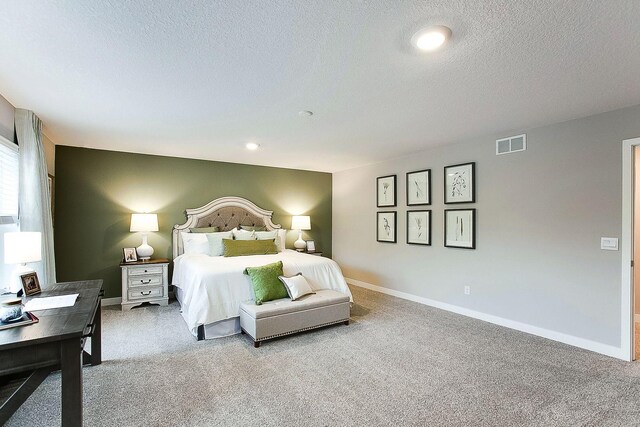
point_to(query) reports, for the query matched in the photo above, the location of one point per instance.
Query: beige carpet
(398, 363)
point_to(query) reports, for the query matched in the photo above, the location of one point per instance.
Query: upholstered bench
(283, 317)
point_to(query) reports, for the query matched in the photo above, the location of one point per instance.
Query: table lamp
(21, 247)
(300, 222)
(144, 223)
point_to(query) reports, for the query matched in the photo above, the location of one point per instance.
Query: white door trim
(626, 308)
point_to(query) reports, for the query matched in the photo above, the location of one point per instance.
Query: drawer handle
(145, 283)
(145, 293)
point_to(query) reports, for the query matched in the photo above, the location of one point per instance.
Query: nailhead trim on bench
(301, 330)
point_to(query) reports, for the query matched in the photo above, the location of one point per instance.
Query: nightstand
(314, 253)
(145, 281)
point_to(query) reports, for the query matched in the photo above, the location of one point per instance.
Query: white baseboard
(111, 301)
(586, 344)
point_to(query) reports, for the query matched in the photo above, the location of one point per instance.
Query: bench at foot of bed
(284, 317)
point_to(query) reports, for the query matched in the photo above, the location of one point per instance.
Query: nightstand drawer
(145, 281)
(144, 270)
(143, 293)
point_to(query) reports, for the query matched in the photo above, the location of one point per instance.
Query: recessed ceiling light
(252, 146)
(431, 38)
(305, 113)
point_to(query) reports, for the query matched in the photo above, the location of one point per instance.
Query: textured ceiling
(200, 79)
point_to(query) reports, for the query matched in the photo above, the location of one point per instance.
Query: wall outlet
(467, 290)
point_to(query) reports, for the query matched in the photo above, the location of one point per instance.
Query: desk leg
(71, 369)
(96, 337)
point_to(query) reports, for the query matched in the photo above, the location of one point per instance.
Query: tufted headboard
(226, 213)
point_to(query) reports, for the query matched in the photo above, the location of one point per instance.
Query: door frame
(627, 297)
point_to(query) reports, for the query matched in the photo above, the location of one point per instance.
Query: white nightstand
(146, 281)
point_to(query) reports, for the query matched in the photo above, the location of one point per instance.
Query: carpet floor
(397, 363)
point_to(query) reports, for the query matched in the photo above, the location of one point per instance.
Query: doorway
(629, 242)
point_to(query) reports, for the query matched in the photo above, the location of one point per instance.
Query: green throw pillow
(265, 282)
(253, 228)
(205, 230)
(249, 247)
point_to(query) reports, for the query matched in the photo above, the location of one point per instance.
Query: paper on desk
(50, 302)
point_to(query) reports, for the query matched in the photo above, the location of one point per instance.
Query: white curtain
(34, 201)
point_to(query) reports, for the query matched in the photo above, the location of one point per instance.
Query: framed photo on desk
(30, 284)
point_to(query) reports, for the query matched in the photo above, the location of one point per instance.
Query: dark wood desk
(56, 342)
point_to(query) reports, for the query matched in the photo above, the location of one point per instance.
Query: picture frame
(386, 191)
(30, 284)
(386, 227)
(311, 246)
(130, 254)
(460, 183)
(419, 187)
(419, 227)
(460, 228)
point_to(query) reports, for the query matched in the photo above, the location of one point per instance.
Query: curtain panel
(34, 203)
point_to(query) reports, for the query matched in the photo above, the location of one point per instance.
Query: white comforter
(213, 287)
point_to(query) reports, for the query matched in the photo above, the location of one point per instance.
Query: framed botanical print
(460, 228)
(386, 191)
(419, 227)
(419, 188)
(386, 228)
(459, 183)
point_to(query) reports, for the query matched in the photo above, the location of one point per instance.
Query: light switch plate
(609, 243)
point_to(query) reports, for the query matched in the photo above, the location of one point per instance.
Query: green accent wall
(96, 192)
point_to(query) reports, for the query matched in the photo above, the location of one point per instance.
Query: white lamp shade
(144, 222)
(300, 222)
(22, 246)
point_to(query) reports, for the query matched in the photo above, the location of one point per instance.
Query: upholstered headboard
(226, 213)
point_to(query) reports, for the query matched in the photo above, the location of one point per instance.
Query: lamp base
(300, 244)
(144, 250)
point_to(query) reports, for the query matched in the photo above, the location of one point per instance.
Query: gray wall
(7, 112)
(540, 216)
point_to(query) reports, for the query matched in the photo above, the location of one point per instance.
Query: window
(8, 201)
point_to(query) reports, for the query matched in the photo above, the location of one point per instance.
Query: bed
(211, 288)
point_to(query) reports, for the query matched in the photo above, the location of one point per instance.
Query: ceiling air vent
(511, 144)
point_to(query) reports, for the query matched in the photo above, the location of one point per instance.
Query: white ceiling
(200, 79)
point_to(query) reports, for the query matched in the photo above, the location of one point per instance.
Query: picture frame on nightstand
(311, 246)
(130, 254)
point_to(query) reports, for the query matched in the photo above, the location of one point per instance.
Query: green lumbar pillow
(266, 284)
(205, 230)
(249, 247)
(253, 228)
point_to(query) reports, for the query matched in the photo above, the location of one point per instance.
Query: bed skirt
(220, 329)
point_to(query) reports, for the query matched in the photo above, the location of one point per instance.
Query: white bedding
(212, 288)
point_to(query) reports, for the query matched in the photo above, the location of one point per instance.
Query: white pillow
(297, 286)
(216, 247)
(195, 243)
(244, 234)
(270, 235)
